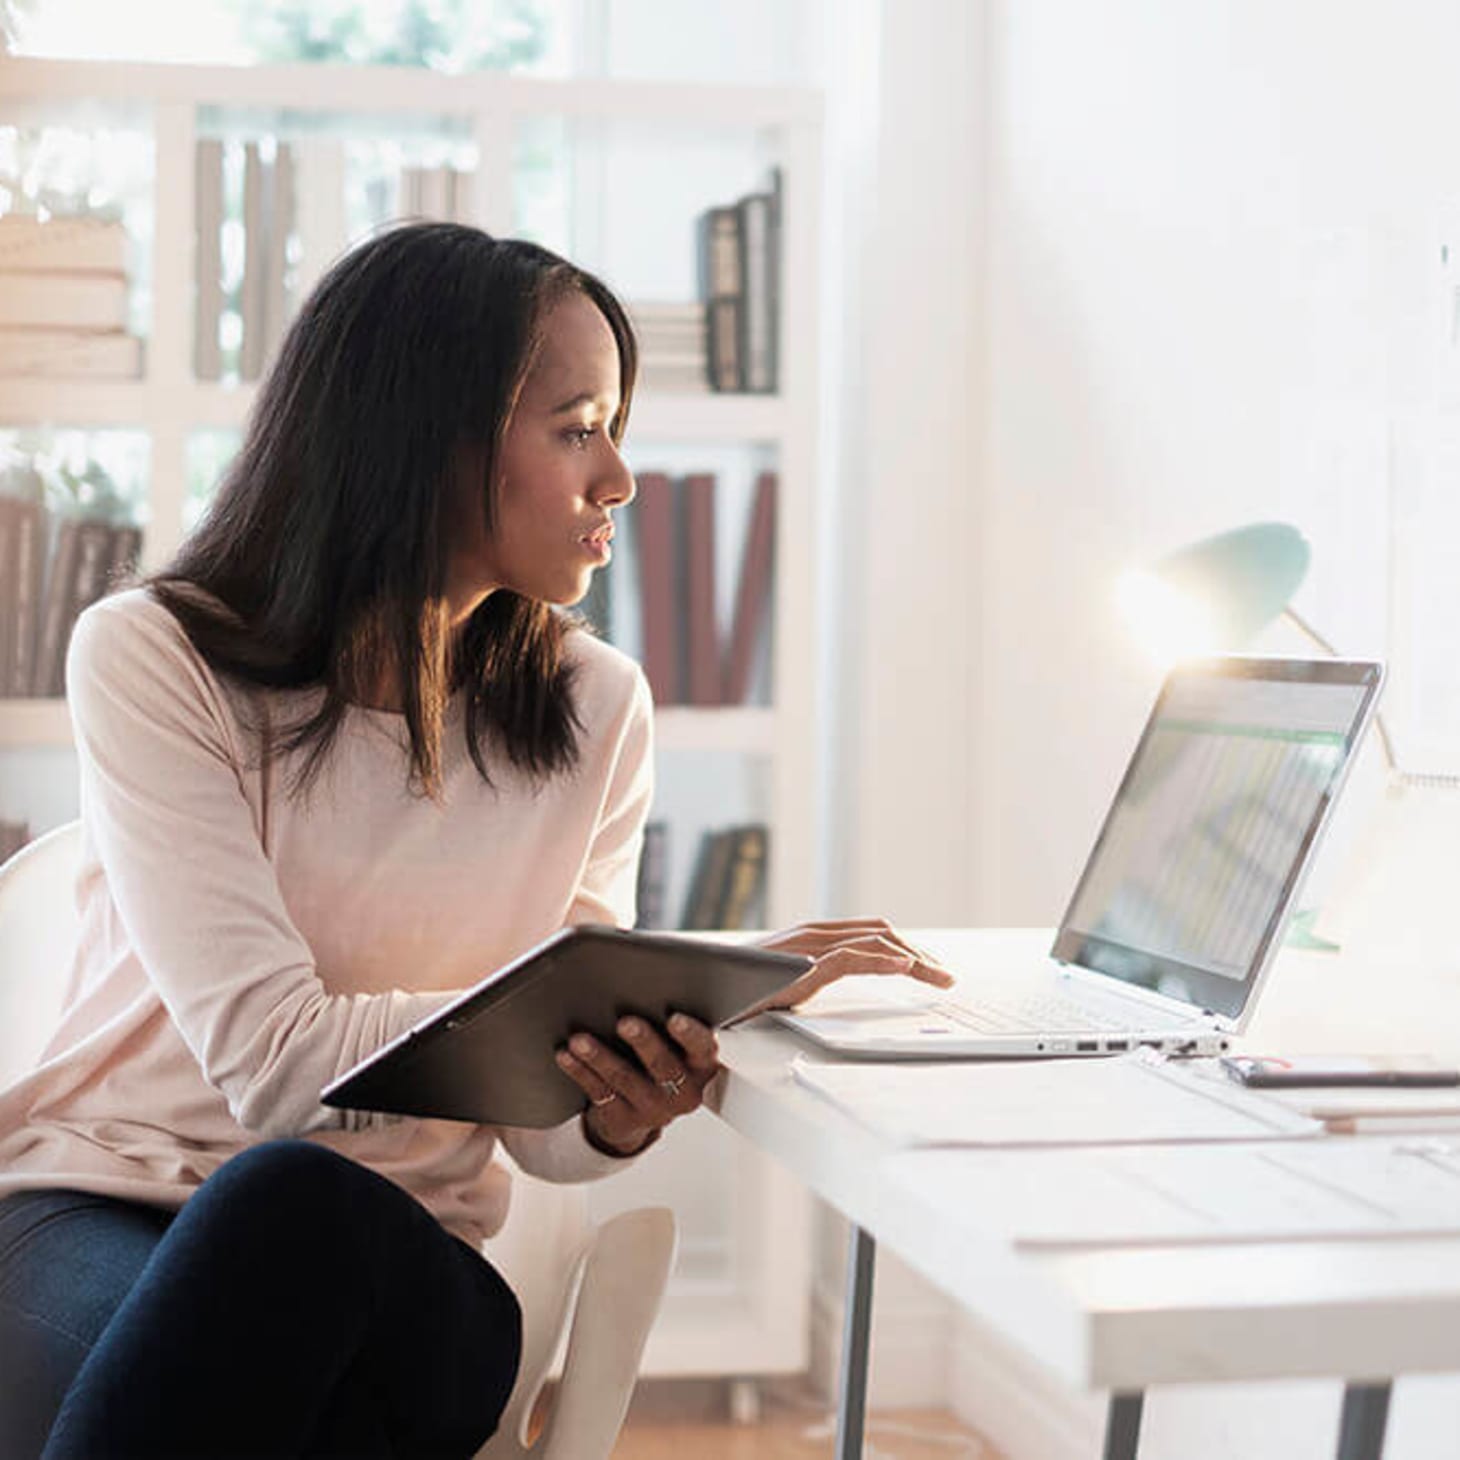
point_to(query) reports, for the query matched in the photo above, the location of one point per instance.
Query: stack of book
(673, 355)
(727, 890)
(53, 566)
(739, 275)
(684, 655)
(63, 298)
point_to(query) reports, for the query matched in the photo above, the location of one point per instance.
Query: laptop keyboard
(1037, 1014)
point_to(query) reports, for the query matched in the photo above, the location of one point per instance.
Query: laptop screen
(1193, 874)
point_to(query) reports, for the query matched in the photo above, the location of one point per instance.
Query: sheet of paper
(1046, 1102)
(1141, 1196)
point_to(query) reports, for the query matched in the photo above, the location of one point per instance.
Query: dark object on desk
(1352, 1071)
(488, 1057)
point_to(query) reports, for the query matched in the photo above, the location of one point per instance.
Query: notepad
(1171, 1195)
(1128, 1100)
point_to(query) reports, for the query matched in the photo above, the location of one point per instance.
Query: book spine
(704, 676)
(208, 256)
(753, 591)
(13, 836)
(70, 354)
(653, 881)
(707, 888)
(655, 528)
(126, 555)
(720, 249)
(55, 604)
(9, 585)
(280, 227)
(48, 300)
(88, 582)
(255, 265)
(745, 878)
(95, 244)
(755, 315)
(30, 567)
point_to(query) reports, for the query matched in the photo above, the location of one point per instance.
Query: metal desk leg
(1123, 1425)
(856, 1339)
(1361, 1425)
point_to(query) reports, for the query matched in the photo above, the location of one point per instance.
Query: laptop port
(1117, 1044)
(1087, 1046)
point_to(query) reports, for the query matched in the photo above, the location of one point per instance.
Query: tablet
(488, 1057)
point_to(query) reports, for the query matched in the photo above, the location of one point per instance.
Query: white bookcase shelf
(752, 1318)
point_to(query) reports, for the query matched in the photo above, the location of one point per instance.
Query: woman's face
(560, 476)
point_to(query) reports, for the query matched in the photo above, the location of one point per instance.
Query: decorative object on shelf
(728, 886)
(739, 248)
(64, 298)
(673, 350)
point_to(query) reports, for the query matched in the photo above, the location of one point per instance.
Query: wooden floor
(687, 1421)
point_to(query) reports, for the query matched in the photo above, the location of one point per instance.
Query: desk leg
(856, 1340)
(1123, 1425)
(1361, 1426)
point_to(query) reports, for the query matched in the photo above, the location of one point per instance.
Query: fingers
(677, 1085)
(821, 940)
(701, 1049)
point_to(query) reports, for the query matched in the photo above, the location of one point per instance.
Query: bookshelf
(737, 1306)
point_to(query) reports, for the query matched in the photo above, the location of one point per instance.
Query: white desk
(1124, 1319)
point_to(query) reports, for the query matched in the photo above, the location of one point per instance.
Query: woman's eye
(579, 435)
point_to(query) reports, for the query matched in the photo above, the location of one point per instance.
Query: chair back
(38, 925)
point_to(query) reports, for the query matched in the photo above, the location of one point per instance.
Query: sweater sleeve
(607, 889)
(605, 894)
(163, 799)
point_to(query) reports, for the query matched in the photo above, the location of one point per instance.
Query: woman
(342, 758)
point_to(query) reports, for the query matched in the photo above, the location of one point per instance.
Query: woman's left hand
(631, 1101)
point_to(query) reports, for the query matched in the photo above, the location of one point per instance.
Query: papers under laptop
(1181, 907)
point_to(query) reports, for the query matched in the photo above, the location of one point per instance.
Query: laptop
(1182, 905)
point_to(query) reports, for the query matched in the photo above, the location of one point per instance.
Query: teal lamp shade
(1218, 593)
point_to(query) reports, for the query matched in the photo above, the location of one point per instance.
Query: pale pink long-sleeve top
(239, 950)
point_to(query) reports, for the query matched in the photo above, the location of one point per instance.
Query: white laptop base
(1174, 922)
(1048, 1013)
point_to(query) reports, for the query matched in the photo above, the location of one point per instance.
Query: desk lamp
(1216, 594)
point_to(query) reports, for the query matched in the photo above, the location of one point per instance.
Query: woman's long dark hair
(322, 562)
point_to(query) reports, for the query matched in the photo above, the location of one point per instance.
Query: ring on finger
(608, 1099)
(673, 1085)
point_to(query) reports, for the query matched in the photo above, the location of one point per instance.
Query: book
(702, 676)
(10, 508)
(255, 266)
(70, 354)
(757, 292)
(81, 242)
(45, 299)
(54, 625)
(745, 878)
(653, 880)
(278, 225)
(208, 257)
(81, 582)
(30, 566)
(654, 512)
(753, 592)
(126, 554)
(706, 894)
(720, 250)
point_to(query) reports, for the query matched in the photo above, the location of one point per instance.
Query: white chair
(605, 1281)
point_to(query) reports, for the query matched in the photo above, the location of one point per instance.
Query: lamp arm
(1380, 728)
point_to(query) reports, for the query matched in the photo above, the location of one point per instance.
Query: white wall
(1206, 224)
(1207, 229)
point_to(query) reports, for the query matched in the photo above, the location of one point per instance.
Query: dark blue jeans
(298, 1305)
